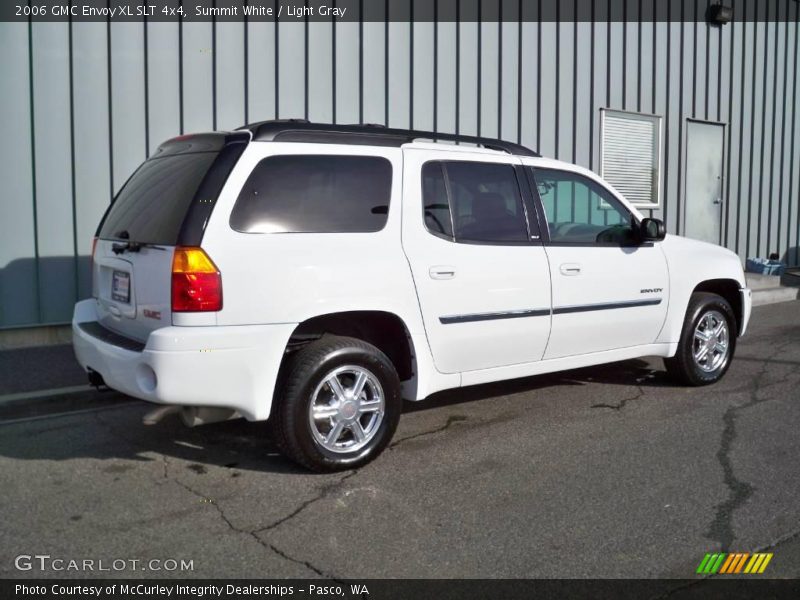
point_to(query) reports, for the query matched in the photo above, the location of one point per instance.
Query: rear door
(165, 203)
(480, 271)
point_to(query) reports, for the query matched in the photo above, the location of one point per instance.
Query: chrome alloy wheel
(347, 409)
(711, 341)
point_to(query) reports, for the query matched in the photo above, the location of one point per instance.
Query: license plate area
(121, 286)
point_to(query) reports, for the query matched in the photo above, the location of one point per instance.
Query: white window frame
(658, 119)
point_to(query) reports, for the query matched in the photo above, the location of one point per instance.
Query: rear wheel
(707, 343)
(339, 404)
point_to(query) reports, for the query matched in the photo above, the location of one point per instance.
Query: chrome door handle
(718, 201)
(442, 272)
(570, 269)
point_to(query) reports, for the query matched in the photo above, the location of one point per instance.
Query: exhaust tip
(192, 416)
(157, 414)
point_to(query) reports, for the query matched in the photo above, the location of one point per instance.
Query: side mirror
(652, 230)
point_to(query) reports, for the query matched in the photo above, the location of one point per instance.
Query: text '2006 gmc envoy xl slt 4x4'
(314, 275)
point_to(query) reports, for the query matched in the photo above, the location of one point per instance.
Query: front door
(704, 158)
(481, 273)
(609, 292)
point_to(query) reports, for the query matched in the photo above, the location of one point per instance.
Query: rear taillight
(196, 282)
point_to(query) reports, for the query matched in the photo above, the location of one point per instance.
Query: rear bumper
(747, 308)
(227, 367)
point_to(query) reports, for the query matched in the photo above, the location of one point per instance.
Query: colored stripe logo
(730, 563)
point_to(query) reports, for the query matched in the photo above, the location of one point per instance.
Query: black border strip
(494, 316)
(541, 312)
(97, 331)
(563, 310)
(197, 216)
(34, 193)
(73, 185)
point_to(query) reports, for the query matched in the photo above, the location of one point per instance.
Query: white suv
(316, 274)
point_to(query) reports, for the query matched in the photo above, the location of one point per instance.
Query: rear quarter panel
(288, 278)
(291, 277)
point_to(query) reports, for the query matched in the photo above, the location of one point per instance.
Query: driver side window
(580, 211)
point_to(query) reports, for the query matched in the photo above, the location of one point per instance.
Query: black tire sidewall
(298, 406)
(700, 305)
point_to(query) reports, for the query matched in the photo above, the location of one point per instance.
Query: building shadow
(42, 291)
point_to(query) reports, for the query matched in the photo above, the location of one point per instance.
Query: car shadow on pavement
(635, 372)
(118, 434)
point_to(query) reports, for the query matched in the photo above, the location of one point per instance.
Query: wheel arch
(385, 330)
(728, 289)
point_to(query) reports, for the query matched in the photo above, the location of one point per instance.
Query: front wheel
(707, 343)
(339, 405)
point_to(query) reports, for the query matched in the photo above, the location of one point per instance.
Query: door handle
(570, 269)
(718, 201)
(442, 272)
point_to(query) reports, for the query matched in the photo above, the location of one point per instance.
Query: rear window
(315, 194)
(152, 205)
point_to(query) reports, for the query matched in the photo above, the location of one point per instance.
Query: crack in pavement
(721, 528)
(452, 419)
(328, 489)
(640, 392)
(324, 492)
(250, 533)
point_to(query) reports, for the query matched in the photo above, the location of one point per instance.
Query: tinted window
(435, 205)
(303, 193)
(580, 211)
(152, 205)
(484, 202)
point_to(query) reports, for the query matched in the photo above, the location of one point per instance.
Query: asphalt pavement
(609, 472)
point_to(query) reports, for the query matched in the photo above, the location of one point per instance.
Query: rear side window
(315, 194)
(473, 202)
(436, 206)
(152, 205)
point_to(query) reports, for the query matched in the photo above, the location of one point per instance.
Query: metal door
(705, 143)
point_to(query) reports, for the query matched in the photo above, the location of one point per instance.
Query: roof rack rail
(300, 130)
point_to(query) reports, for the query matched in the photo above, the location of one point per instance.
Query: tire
(320, 379)
(705, 311)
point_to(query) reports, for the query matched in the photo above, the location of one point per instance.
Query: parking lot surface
(610, 471)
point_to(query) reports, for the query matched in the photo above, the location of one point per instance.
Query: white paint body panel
(691, 262)
(485, 279)
(273, 282)
(147, 270)
(586, 275)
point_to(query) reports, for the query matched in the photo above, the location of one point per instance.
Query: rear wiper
(127, 246)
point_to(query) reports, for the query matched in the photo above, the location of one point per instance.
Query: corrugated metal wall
(84, 104)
